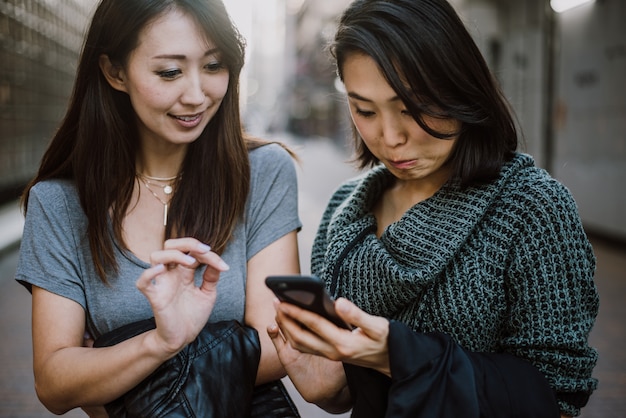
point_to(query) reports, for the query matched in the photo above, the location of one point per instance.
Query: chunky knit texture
(503, 267)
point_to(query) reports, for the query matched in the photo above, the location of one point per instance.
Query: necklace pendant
(167, 190)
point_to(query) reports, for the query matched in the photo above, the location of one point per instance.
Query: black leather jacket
(212, 377)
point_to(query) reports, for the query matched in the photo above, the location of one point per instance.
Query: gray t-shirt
(55, 255)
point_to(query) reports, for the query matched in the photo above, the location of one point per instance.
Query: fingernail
(159, 267)
(189, 259)
(341, 305)
(203, 248)
(223, 266)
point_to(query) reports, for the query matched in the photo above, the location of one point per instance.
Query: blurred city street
(322, 167)
(561, 70)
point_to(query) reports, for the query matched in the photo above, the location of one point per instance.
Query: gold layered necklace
(165, 183)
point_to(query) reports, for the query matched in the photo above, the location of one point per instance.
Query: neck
(157, 178)
(160, 164)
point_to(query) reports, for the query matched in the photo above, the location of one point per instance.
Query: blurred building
(288, 80)
(564, 75)
(314, 106)
(562, 72)
(39, 45)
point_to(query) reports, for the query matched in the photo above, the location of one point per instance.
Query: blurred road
(321, 169)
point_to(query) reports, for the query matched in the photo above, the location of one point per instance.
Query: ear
(114, 74)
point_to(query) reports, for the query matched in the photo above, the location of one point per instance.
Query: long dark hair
(431, 61)
(97, 142)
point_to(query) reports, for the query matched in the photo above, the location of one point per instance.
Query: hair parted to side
(97, 142)
(431, 61)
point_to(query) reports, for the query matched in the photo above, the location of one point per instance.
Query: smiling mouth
(187, 118)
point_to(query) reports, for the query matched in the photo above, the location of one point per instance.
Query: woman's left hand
(365, 345)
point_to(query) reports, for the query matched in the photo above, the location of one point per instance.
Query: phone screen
(307, 292)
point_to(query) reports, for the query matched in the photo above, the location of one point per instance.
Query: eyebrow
(182, 57)
(357, 96)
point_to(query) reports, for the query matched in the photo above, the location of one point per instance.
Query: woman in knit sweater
(464, 268)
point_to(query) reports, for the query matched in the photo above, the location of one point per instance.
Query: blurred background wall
(562, 72)
(39, 46)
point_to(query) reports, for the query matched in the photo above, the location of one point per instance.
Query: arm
(272, 223)
(552, 298)
(280, 257)
(68, 375)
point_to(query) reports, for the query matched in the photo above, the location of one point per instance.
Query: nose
(393, 131)
(194, 92)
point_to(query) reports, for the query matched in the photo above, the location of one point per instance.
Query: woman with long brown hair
(152, 202)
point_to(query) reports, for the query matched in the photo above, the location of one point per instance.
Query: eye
(364, 113)
(214, 67)
(169, 74)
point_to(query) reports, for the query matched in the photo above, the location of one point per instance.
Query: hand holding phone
(307, 292)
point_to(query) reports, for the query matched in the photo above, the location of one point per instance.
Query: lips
(402, 164)
(188, 121)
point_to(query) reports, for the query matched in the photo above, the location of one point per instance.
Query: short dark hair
(431, 61)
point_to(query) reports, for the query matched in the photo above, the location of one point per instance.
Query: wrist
(158, 348)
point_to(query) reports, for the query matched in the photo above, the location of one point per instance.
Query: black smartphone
(307, 292)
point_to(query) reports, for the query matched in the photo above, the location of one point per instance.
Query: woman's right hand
(181, 309)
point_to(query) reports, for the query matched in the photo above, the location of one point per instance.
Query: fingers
(307, 331)
(88, 340)
(274, 333)
(188, 252)
(375, 327)
(286, 354)
(146, 279)
(172, 258)
(310, 320)
(191, 253)
(186, 245)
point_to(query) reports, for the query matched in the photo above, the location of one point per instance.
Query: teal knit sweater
(503, 267)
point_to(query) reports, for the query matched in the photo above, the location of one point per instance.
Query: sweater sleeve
(552, 299)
